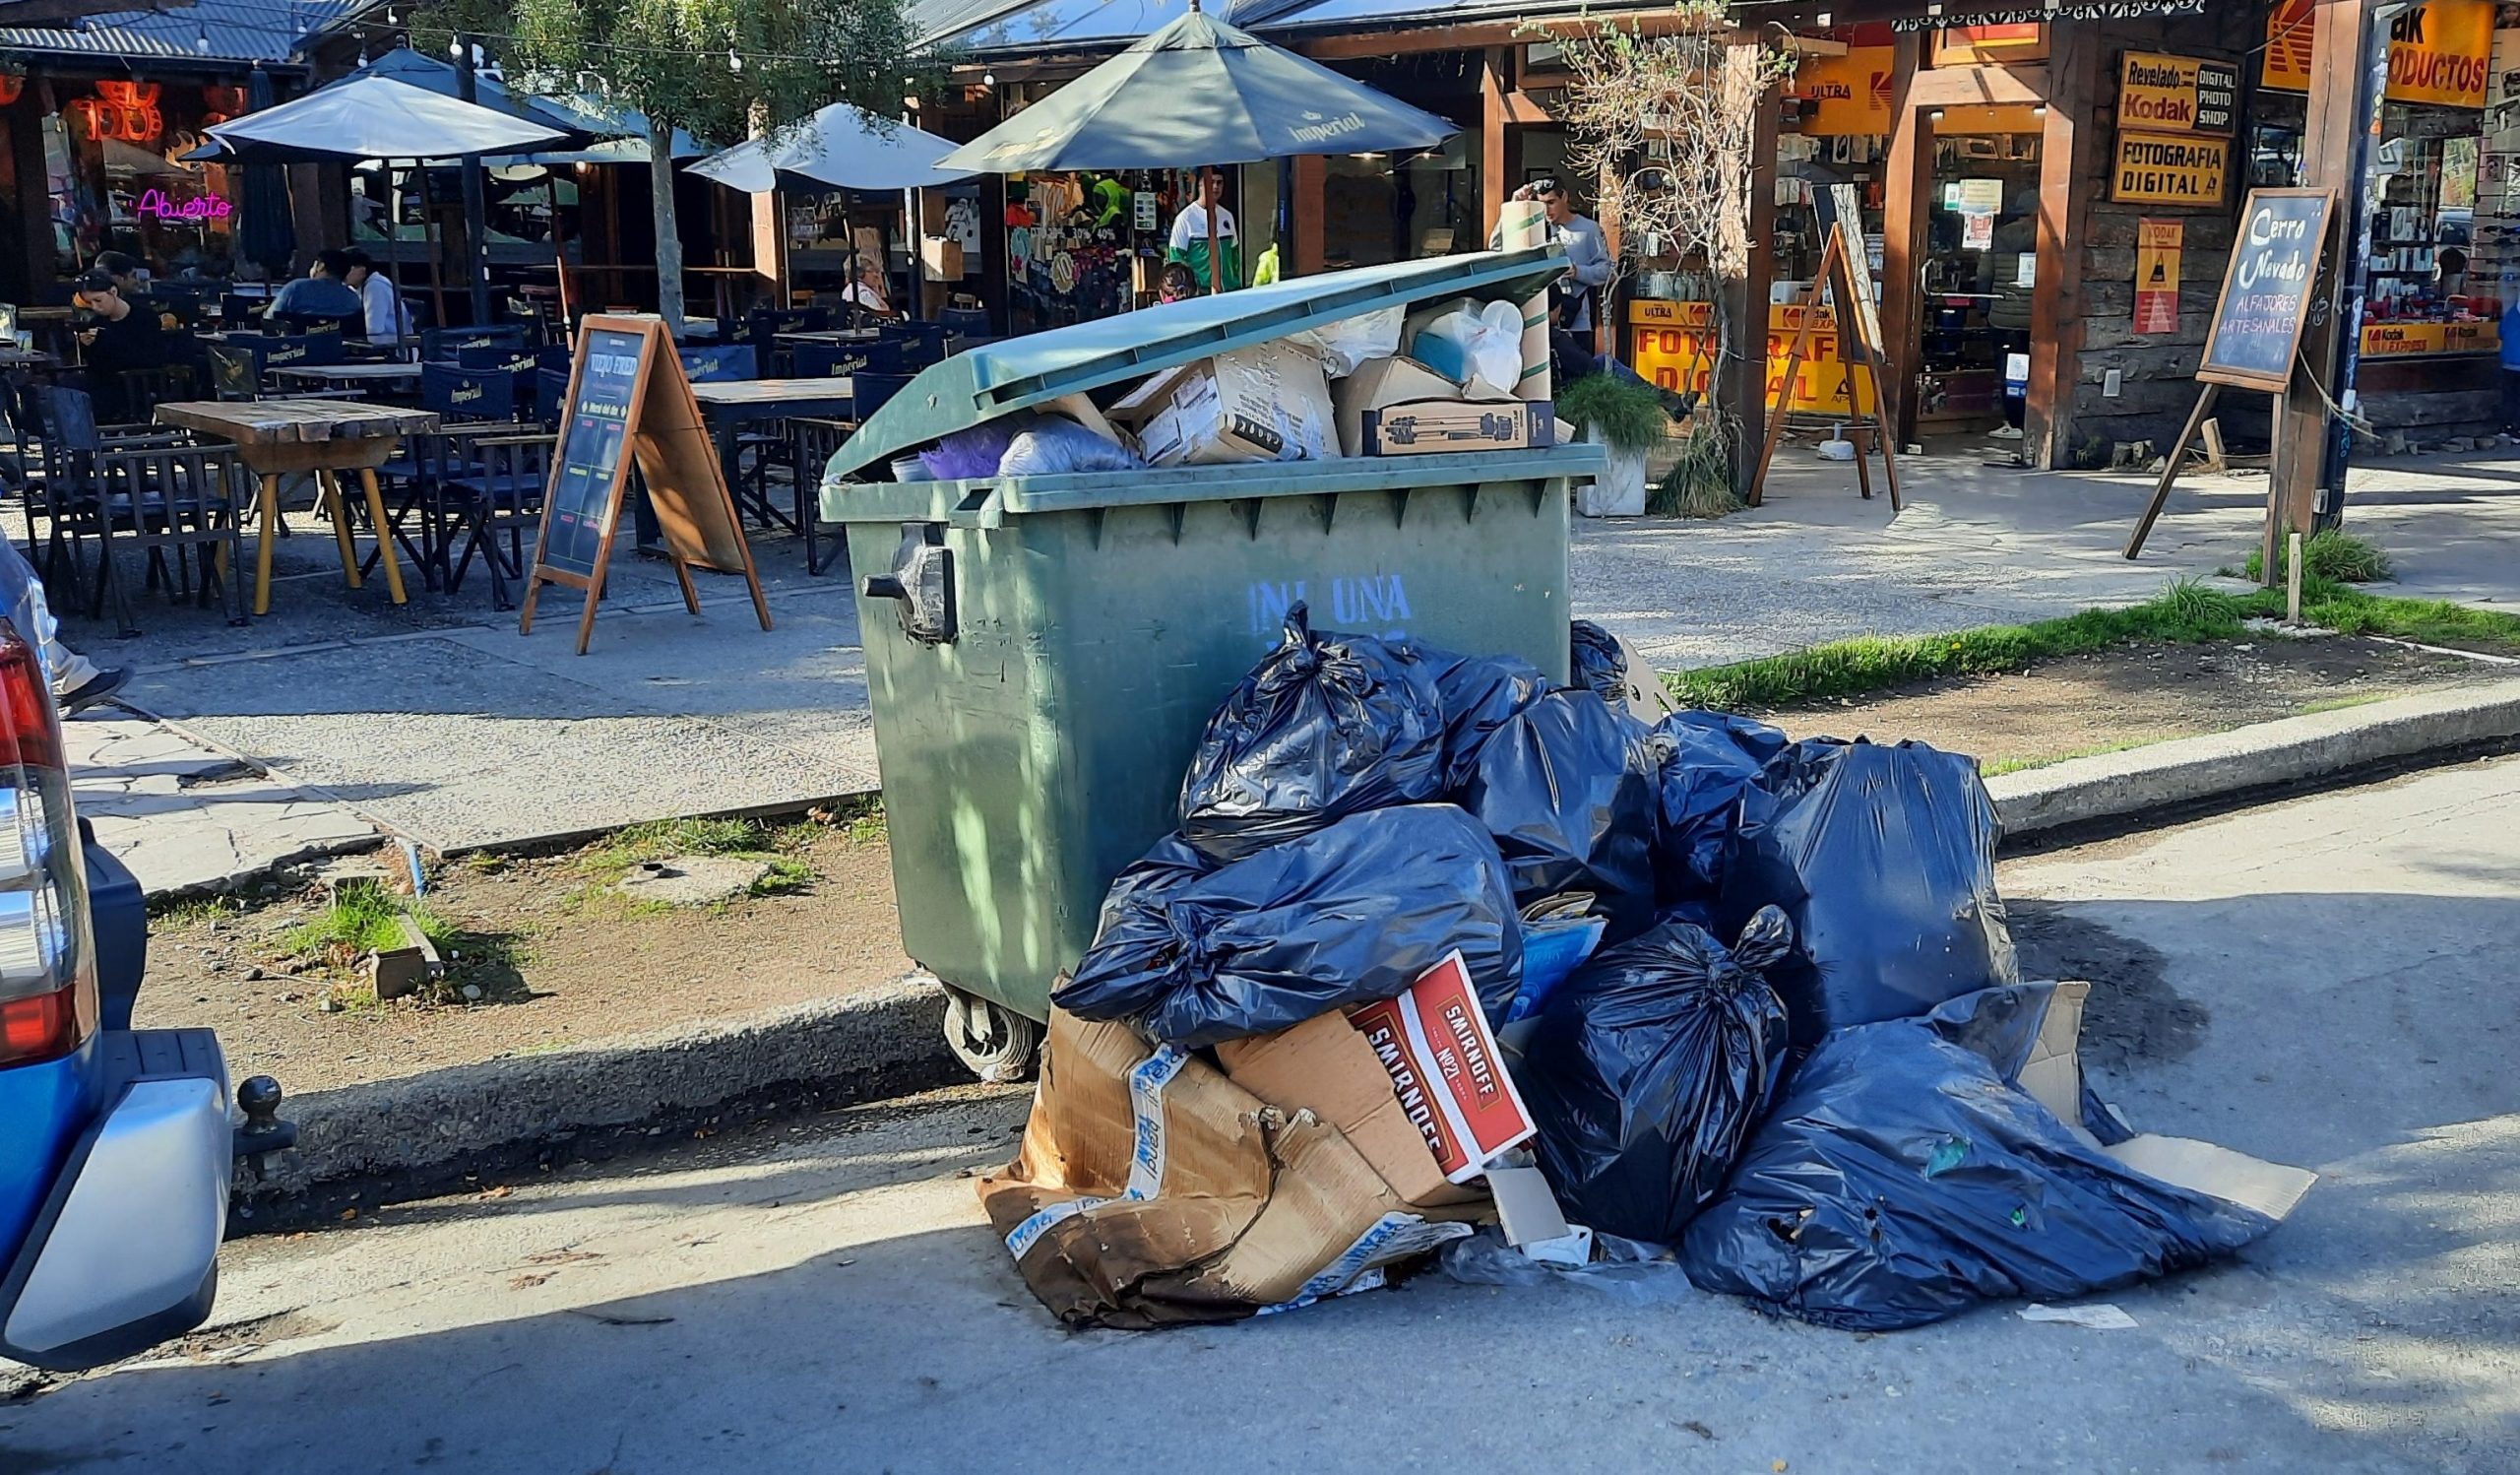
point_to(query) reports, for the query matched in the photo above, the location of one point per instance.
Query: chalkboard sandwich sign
(630, 404)
(2266, 290)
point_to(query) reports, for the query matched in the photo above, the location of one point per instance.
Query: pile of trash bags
(1439, 943)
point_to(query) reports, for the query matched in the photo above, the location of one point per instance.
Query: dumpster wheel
(999, 1043)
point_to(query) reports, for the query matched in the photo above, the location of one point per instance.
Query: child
(1177, 283)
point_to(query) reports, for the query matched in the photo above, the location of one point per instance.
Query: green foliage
(2328, 556)
(1627, 415)
(2349, 611)
(1700, 482)
(2182, 614)
(363, 917)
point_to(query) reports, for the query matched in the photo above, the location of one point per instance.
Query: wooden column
(2068, 144)
(1496, 80)
(2333, 156)
(1905, 175)
(1741, 375)
(770, 246)
(1310, 248)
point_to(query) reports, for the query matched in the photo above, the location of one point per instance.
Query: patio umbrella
(265, 234)
(842, 148)
(373, 117)
(1199, 91)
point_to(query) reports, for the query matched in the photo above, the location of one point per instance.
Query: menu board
(630, 401)
(593, 436)
(2266, 290)
(1845, 218)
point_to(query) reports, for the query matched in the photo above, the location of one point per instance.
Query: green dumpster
(1042, 652)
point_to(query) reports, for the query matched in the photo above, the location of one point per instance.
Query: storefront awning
(210, 32)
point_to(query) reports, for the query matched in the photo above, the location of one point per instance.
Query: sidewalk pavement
(438, 721)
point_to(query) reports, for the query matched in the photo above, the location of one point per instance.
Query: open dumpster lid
(981, 384)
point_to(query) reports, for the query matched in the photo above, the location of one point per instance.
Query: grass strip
(2186, 613)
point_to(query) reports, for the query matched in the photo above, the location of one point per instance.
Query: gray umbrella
(1199, 91)
(374, 117)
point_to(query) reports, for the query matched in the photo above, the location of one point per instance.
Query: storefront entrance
(1979, 271)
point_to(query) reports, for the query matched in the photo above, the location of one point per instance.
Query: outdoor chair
(233, 374)
(827, 361)
(869, 390)
(440, 345)
(344, 325)
(497, 490)
(149, 493)
(815, 443)
(718, 363)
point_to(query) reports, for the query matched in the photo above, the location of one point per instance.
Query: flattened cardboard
(1325, 1067)
(1150, 1190)
(2053, 1077)
(1270, 401)
(1434, 426)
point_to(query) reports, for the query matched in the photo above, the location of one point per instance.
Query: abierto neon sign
(154, 201)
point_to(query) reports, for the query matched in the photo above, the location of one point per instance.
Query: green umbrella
(1199, 93)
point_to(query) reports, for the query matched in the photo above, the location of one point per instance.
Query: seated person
(866, 293)
(123, 339)
(320, 292)
(376, 291)
(128, 279)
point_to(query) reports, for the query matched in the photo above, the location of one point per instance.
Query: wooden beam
(1905, 176)
(1523, 110)
(1367, 45)
(1310, 249)
(1741, 376)
(2068, 148)
(1495, 78)
(1971, 87)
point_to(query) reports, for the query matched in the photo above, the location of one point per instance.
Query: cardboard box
(1434, 1043)
(1152, 1191)
(1377, 383)
(1324, 1067)
(942, 256)
(1426, 427)
(1270, 401)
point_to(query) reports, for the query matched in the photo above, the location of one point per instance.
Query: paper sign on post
(1447, 1070)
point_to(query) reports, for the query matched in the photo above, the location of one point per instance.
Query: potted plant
(1625, 414)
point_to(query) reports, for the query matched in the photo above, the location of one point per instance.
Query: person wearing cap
(320, 292)
(1588, 254)
(123, 339)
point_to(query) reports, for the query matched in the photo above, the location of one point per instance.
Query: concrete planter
(1619, 491)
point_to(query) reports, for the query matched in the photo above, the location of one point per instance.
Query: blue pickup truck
(117, 1145)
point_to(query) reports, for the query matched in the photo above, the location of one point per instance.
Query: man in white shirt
(867, 292)
(376, 294)
(1588, 254)
(1191, 235)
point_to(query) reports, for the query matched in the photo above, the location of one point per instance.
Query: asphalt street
(2325, 982)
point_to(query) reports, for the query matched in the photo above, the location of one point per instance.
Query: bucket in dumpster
(1346, 915)
(1884, 859)
(1905, 1171)
(1649, 1069)
(1566, 786)
(1325, 726)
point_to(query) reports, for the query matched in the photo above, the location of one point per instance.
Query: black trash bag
(1648, 1069)
(1344, 916)
(1325, 726)
(1715, 760)
(1566, 786)
(1884, 859)
(1479, 693)
(1904, 1175)
(1171, 862)
(1598, 665)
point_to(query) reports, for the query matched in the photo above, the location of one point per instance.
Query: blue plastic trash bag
(1567, 787)
(1649, 1067)
(1053, 445)
(1884, 859)
(1715, 760)
(1478, 693)
(1554, 947)
(1598, 665)
(1904, 1175)
(1346, 915)
(1325, 726)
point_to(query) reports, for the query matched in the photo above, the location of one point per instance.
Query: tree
(720, 70)
(1659, 120)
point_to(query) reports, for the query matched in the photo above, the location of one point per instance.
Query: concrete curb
(2190, 770)
(432, 1127)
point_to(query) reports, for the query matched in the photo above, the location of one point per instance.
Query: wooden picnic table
(281, 437)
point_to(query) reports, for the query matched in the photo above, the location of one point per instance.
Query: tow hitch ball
(263, 1133)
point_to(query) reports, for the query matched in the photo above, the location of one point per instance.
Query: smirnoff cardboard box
(1416, 1082)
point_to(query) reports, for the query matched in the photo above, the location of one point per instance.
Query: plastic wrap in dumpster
(1715, 760)
(1477, 694)
(1344, 916)
(1648, 1069)
(1566, 786)
(1599, 665)
(1914, 1167)
(1325, 726)
(1884, 859)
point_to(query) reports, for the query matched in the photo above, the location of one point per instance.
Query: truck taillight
(47, 954)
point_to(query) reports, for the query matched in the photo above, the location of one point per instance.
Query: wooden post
(1495, 78)
(2069, 142)
(2171, 468)
(1741, 374)
(2293, 581)
(1905, 175)
(2334, 150)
